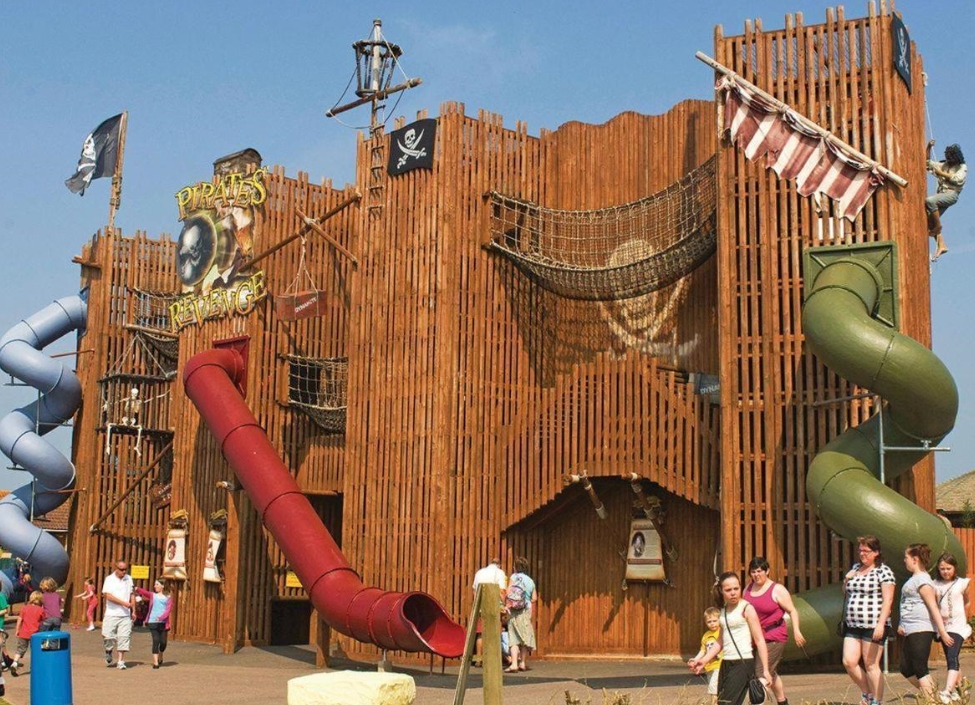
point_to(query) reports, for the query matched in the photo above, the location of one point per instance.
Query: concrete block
(352, 688)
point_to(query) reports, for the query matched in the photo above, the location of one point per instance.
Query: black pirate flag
(411, 147)
(902, 50)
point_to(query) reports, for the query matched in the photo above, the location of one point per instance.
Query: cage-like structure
(318, 387)
(152, 325)
(611, 253)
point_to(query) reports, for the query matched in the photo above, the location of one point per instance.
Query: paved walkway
(195, 673)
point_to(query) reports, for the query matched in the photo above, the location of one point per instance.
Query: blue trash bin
(50, 668)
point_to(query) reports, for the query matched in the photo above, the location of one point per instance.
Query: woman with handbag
(869, 589)
(920, 619)
(740, 628)
(952, 593)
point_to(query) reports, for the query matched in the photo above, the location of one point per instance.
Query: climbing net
(318, 386)
(611, 253)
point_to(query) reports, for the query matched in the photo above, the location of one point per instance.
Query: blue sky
(201, 80)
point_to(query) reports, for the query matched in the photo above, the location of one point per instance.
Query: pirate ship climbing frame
(472, 359)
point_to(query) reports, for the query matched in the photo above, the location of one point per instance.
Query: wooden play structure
(531, 308)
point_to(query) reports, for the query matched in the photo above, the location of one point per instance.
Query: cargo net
(318, 387)
(152, 318)
(611, 253)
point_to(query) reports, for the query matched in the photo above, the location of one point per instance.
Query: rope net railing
(611, 253)
(318, 387)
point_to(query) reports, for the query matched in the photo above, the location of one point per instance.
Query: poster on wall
(211, 573)
(174, 559)
(411, 147)
(221, 228)
(644, 557)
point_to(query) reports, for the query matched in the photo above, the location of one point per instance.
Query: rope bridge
(318, 387)
(611, 253)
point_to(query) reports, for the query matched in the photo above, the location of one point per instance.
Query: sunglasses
(122, 570)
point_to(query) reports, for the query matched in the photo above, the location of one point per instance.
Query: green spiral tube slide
(921, 402)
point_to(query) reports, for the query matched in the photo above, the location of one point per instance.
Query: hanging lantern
(374, 61)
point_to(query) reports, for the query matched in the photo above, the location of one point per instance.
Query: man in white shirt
(491, 573)
(119, 609)
(951, 174)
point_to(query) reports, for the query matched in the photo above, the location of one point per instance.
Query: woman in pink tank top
(772, 601)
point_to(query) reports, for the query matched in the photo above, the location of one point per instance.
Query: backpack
(515, 599)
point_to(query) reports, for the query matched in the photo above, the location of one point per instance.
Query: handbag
(756, 689)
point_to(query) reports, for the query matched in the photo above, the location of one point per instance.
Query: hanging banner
(211, 573)
(411, 147)
(901, 42)
(174, 560)
(795, 152)
(644, 557)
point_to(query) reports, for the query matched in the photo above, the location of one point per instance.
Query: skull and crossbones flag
(99, 155)
(411, 147)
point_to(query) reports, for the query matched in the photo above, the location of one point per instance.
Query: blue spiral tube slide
(21, 434)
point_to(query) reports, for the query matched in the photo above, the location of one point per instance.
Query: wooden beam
(128, 490)
(413, 82)
(310, 222)
(354, 198)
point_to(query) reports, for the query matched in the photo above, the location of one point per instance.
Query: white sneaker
(91, 628)
(121, 666)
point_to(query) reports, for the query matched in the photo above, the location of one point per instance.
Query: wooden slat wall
(237, 611)
(841, 75)
(114, 267)
(472, 391)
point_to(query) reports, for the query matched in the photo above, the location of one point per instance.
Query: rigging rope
(611, 253)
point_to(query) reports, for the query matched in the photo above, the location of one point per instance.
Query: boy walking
(28, 623)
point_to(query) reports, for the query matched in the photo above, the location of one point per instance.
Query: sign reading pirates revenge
(411, 147)
(220, 219)
(902, 50)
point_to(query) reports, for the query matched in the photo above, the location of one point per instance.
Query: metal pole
(883, 452)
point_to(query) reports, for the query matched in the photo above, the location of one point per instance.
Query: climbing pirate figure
(951, 174)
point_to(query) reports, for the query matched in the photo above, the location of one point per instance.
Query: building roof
(951, 496)
(55, 521)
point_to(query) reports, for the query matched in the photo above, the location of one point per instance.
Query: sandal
(511, 669)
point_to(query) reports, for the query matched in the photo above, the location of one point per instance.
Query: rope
(302, 269)
(927, 112)
(611, 253)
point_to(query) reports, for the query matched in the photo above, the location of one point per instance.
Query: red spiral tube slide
(411, 621)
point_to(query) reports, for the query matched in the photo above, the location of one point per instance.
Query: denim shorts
(863, 634)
